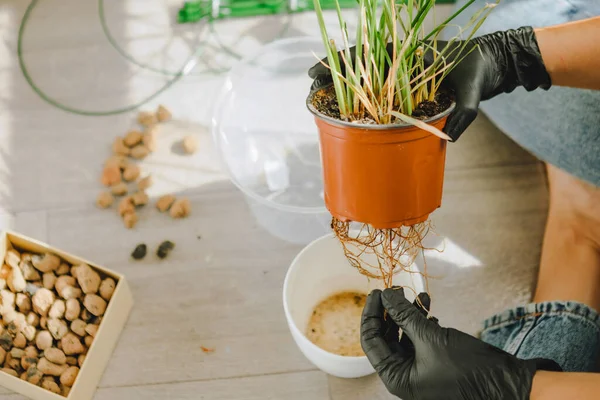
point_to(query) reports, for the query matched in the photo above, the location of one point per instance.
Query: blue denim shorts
(559, 126)
(566, 332)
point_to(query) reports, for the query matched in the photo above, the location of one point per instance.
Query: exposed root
(382, 253)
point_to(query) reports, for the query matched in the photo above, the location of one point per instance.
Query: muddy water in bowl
(335, 324)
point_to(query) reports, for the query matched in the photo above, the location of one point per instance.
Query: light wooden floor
(223, 290)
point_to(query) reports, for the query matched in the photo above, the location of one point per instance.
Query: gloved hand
(503, 61)
(434, 363)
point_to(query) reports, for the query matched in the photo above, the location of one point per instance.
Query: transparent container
(269, 142)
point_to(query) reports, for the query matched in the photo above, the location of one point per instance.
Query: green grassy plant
(386, 78)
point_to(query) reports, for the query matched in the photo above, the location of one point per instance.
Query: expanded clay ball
(139, 198)
(12, 258)
(149, 140)
(132, 138)
(10, 372)
(140, 151)
(73, 309)
(131, 172)
(49, 368)
(63, 269)
(107, 288)
(71, 345)
(80, 360)
(55, 356)
(51, 385)
(42, 301)
(29, 271)
(165, 202)
(119, 147)
(126, 206)
(71, 360)
(91, 329)
(117, 160)
(49, 262)
(147, 118)
(163, 114)
(58, 328)
(190, 144)
(78, 327)
(34, 375)
(111, 175)
(95, 304)
(130, 219)
(62, 283)
(89, 280)
(23, 302)
(88, 341)
(144, 183)
(16, 281)
(20, 341)
(120, 189)
(68, 377)
(29, 332)
(181, 208)
(57, 310)
(105, 200)
(33, 319)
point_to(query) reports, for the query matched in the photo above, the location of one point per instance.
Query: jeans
(560, 126)
(566, 332)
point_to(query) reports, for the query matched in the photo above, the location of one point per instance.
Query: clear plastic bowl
(268, 140)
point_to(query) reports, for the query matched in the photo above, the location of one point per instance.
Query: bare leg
(570, 265)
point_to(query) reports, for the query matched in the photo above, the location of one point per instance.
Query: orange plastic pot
(385, 175)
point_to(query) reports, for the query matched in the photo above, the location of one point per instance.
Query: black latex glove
(435, 363)
(504, 61)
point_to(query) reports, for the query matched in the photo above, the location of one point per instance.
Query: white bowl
(317, 272)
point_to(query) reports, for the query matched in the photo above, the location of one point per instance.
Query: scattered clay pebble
(78, 326)
(42, 301)
(23, 302)
(119, 147)
(16, 282)
(55, 356)
(130, 219)
(165, 202)
(63, 269)
(165, 248)
(139, 198)
(71, 360)
(105, 200)
(72, 345)
(49, 368)
(20, 341)
(49, 262)
(80, 360)
(131, 172)
(140, 151)
(149, 141)
(120, 189)
(181, 208)
(117, 160)
(43, 340)
(132, 138)
(207, 349)
(68, 377)
(139, 252)
(57, 310)
(95, 304)
(91, 329)
(89, 280)
(58, 328)
(88, 341)
(51, 386)
(144, 183)
(163, 114)
(73, 309)
(126, 206)
(190, 144)
(111, 175)
(107, 287)
(10, 372)
(147, 118)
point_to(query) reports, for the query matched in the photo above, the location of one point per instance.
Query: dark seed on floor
(140, 251)
(164, 248)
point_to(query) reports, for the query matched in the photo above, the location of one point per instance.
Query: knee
(576, 205)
